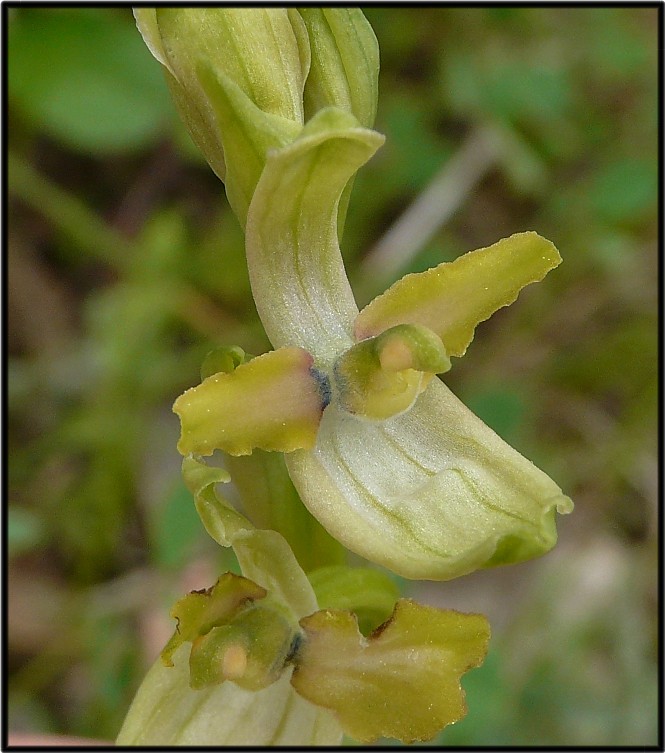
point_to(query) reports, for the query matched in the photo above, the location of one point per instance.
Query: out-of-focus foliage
(125, 266)
(105, 103)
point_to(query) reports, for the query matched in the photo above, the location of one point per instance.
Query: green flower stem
(270, 500)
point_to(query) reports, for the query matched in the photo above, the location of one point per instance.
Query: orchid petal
(298, 280)
(383, 375)
(403, 681)
(454, 297)
(146, 23)
(166, 711)
(264, 556)
(237, 77)
(431, 493)
(272, 402)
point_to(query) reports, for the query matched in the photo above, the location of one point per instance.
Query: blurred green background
(125, 266)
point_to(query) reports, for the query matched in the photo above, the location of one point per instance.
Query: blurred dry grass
(125, 265)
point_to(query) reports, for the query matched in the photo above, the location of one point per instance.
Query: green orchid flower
(380, 451)
(274, 658)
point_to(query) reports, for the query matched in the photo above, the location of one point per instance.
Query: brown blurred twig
(432, 208)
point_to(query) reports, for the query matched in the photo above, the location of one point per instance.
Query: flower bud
(237, 77)
(344, 71)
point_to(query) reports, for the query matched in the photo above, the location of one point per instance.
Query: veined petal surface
(295, 265)
(432, 493)
(166, 711)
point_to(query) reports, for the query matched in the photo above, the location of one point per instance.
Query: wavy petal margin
(454, 297)
(403, 681)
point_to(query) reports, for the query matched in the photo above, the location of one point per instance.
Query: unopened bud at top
(237, 77)
(344, 71)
